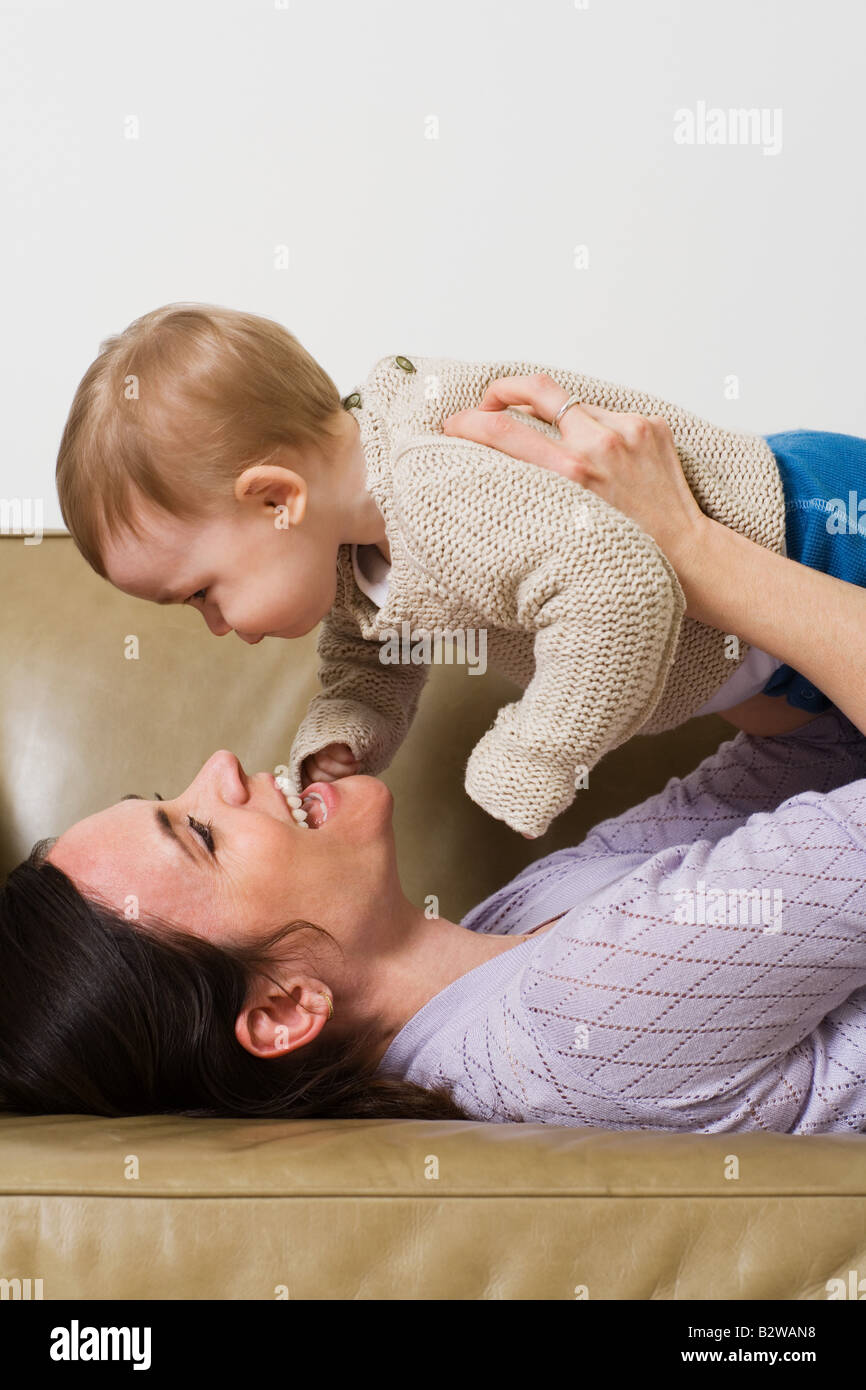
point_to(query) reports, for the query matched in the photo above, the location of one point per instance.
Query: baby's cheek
(277, 608)
(315, 604)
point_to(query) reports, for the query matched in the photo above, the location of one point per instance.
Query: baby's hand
(330, 763)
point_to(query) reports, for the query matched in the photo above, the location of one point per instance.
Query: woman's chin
(374, 793)
(365, 803)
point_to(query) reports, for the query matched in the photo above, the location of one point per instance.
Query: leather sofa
(220, 1209)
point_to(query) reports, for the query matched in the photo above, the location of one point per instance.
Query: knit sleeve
(521, 548)
(363, 703)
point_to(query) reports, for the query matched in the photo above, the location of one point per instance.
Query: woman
(631, 982)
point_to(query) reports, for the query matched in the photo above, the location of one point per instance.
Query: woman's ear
(274, 1022)
(267, 484)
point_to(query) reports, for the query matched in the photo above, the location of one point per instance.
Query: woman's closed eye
(204, 831)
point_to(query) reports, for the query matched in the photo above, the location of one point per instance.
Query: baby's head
(207, 459)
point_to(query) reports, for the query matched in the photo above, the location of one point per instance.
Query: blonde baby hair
(175, 407)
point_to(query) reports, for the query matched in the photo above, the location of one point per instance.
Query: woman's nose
(223, 777)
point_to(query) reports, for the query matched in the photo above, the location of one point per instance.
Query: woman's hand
(807, 619)
(330, 763)
(629, 460)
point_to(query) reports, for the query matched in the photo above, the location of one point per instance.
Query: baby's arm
(363, 704)
(528, 551)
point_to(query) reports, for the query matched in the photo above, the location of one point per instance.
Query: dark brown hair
(104, 1016)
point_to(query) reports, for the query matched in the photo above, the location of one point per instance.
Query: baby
(208, 459)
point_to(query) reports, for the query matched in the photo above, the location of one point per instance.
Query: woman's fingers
(539, 394)
(629, 460)
(583, 428)
(538, 391)
(511, 436)
(590, 435)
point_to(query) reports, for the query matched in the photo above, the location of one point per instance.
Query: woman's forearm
(809, 620)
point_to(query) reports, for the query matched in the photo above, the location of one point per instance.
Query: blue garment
(824, 480)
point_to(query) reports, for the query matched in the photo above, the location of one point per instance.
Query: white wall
(305, 123)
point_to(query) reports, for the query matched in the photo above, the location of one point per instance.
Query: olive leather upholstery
(160, 1207)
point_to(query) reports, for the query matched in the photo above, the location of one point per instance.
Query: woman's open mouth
(311, 809)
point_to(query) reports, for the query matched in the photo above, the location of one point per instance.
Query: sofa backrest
(102, 694)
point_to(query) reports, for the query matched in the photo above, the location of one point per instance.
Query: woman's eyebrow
(164, 824)
(168, 829)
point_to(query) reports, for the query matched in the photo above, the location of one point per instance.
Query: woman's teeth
(299, 806)
(308, 806)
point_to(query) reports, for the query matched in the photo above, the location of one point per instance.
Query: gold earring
(330, 1005)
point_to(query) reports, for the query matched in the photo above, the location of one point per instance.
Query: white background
(306, 125)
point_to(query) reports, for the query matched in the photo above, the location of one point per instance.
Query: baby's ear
(267, 484)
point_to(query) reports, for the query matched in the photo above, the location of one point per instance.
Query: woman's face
(225, 860)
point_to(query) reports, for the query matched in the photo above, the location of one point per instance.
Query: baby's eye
(199, 593)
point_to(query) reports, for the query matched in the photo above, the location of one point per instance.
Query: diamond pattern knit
(662, 999)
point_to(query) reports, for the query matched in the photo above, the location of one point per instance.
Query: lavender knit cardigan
(709, 973)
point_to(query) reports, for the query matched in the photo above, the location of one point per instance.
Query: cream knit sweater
(580, 607)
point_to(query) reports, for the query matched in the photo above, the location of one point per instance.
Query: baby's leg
(766, 714)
